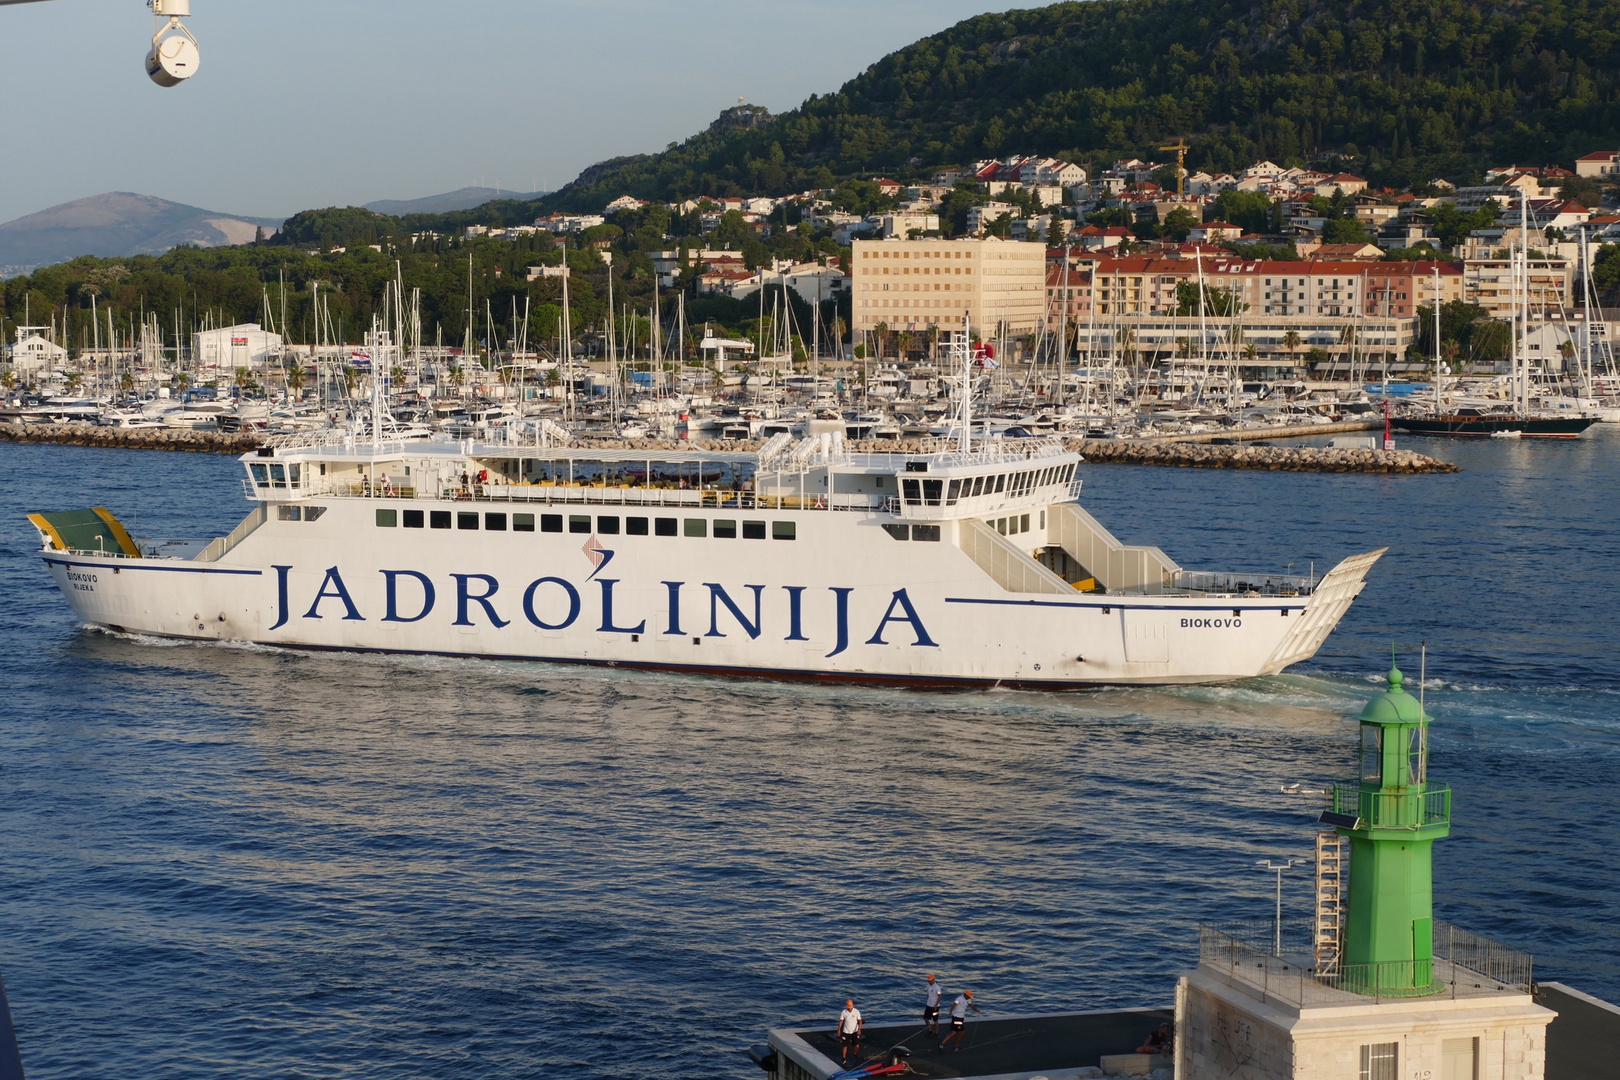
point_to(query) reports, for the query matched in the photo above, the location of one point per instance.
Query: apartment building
(951, 284)
(1489, 283)
(1147, 284)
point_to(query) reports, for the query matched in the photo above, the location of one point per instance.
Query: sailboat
(1504, 420)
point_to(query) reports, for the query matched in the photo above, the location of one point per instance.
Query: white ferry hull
(841, 601)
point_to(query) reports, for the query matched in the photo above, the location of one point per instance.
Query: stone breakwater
(207, 442)
(1097, 451)
(1270, 458)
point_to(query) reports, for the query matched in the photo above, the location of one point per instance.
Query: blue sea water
(233, 861)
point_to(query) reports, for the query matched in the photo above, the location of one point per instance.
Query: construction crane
(1181, 149)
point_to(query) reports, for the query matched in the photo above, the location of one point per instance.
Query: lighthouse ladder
(1329, 902)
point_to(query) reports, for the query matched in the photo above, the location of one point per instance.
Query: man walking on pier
(850, 1026)
(959, 1008)
(931, 1007)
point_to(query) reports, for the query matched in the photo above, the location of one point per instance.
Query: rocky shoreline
(1186, 455)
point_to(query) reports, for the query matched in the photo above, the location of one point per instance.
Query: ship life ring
(821, 502)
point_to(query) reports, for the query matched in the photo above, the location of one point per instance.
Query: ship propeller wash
(972, 564)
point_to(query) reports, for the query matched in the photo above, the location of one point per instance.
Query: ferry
(969, 564)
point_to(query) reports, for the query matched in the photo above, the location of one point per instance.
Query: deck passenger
(931, 1006)
(1157, 1042)
(850, 1026)
(959, 1011)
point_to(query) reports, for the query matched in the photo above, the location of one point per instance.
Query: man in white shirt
(959, 1008)
(931, 1007)
(850, 1025)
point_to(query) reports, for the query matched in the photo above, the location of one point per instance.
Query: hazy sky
(299, 104)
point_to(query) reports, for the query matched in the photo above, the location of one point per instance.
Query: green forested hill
(1402, 89)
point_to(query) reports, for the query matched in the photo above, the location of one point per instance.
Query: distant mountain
(463, 199)
(119, 223)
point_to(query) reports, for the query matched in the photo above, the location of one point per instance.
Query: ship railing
(1239, 584)
(1393, 809)
(577, 494)
(1283, 968)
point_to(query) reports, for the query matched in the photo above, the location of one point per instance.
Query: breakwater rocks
(1271, 458)
(1098, 451)
(207, 442)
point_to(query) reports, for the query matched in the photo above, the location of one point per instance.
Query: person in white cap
(850, 1026)
(959, 1008)
(931, 1007)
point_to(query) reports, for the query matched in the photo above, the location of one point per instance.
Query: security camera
(174, 55)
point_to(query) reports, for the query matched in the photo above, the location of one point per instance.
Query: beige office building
(915, 284)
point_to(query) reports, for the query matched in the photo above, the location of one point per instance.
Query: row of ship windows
(605, 524)
(1014, 485)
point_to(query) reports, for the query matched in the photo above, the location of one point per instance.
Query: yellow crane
(1181, 149)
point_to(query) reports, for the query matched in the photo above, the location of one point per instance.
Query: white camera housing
(174, 55)
(172, 60)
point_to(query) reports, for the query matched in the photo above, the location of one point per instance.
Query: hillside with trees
(1401, 91)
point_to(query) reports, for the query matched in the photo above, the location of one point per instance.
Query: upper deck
(814, 475)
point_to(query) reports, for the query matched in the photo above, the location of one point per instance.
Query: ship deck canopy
(94, 530)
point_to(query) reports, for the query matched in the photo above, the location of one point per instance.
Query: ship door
(1147, 636)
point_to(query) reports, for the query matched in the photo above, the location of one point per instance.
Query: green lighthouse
(1392, 815)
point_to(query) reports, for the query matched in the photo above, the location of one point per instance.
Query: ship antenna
(964, 441)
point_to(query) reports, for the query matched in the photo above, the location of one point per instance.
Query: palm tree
(295, 381)
(351, 379)
(73, 381)
(1291, 343)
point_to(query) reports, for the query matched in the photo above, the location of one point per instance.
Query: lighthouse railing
(1414, 809)
(1465, 964)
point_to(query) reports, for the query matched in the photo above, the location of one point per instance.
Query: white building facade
(226, 348)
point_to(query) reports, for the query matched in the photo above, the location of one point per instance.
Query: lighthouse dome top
(1395, 705)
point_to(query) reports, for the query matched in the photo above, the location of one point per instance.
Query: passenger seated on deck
(1157, 1042)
